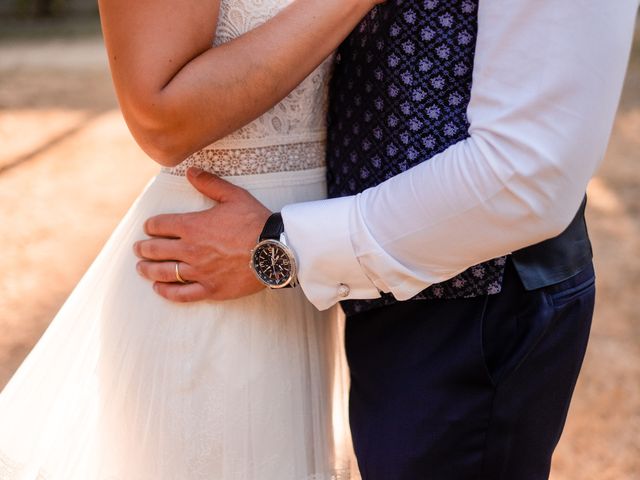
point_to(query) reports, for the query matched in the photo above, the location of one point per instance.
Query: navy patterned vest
(399, 96)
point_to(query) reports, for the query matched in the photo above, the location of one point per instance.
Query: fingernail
(138, 268)
(195, 171)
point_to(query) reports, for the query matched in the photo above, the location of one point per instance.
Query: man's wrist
(272, 228)
(272, 260)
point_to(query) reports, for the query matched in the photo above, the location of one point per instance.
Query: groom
(462, 136)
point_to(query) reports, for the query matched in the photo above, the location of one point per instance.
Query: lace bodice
(288, 137)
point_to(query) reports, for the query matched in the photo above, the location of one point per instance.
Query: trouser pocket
(534, 343)
(516, 320)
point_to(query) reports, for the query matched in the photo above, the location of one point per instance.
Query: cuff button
(343, 290)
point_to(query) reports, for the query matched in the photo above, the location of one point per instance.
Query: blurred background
(69, 170)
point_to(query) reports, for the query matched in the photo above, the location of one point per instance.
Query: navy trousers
(467, 389)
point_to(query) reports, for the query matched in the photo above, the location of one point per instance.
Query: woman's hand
(178, 94)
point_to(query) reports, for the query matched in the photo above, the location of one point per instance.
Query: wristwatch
(272, 260)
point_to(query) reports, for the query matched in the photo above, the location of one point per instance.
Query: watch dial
(272, 264)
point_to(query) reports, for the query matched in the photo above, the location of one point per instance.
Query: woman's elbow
(161, 141)
(161, 146)
(157, 132)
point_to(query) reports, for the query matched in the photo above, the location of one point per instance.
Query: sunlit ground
(69, 170)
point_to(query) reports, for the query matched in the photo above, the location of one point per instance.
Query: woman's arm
(178, 94)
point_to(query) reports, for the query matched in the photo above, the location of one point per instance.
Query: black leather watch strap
(273, 228)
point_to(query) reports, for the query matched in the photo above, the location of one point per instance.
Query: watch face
(273, 263)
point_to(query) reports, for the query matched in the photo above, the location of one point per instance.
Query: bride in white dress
(125, 385)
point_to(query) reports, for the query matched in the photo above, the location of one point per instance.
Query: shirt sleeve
(546, 84)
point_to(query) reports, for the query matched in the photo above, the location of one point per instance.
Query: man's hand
(212, 246)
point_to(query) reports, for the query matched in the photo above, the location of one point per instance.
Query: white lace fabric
(291, 135)
(254, 161)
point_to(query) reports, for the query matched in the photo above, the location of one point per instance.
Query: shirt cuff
(328, 270)
(386, 272)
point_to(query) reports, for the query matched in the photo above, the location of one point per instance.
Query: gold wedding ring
(178, 277)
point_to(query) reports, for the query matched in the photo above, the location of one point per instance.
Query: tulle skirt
(125, 385)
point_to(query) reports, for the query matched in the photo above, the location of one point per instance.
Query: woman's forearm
(179, 98)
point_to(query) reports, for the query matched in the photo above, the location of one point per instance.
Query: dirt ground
(69, 170)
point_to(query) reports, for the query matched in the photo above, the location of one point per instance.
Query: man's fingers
(165, 271)
(167, 225)
(159, 249)
(177, 292)
(211, 185)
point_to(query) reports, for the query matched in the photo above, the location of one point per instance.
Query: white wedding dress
(125, 385)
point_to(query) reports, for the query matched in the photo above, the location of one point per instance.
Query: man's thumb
(210, 185)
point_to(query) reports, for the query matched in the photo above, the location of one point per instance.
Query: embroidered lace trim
(253, 161)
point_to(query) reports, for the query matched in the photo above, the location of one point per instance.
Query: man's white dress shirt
(546, 84)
